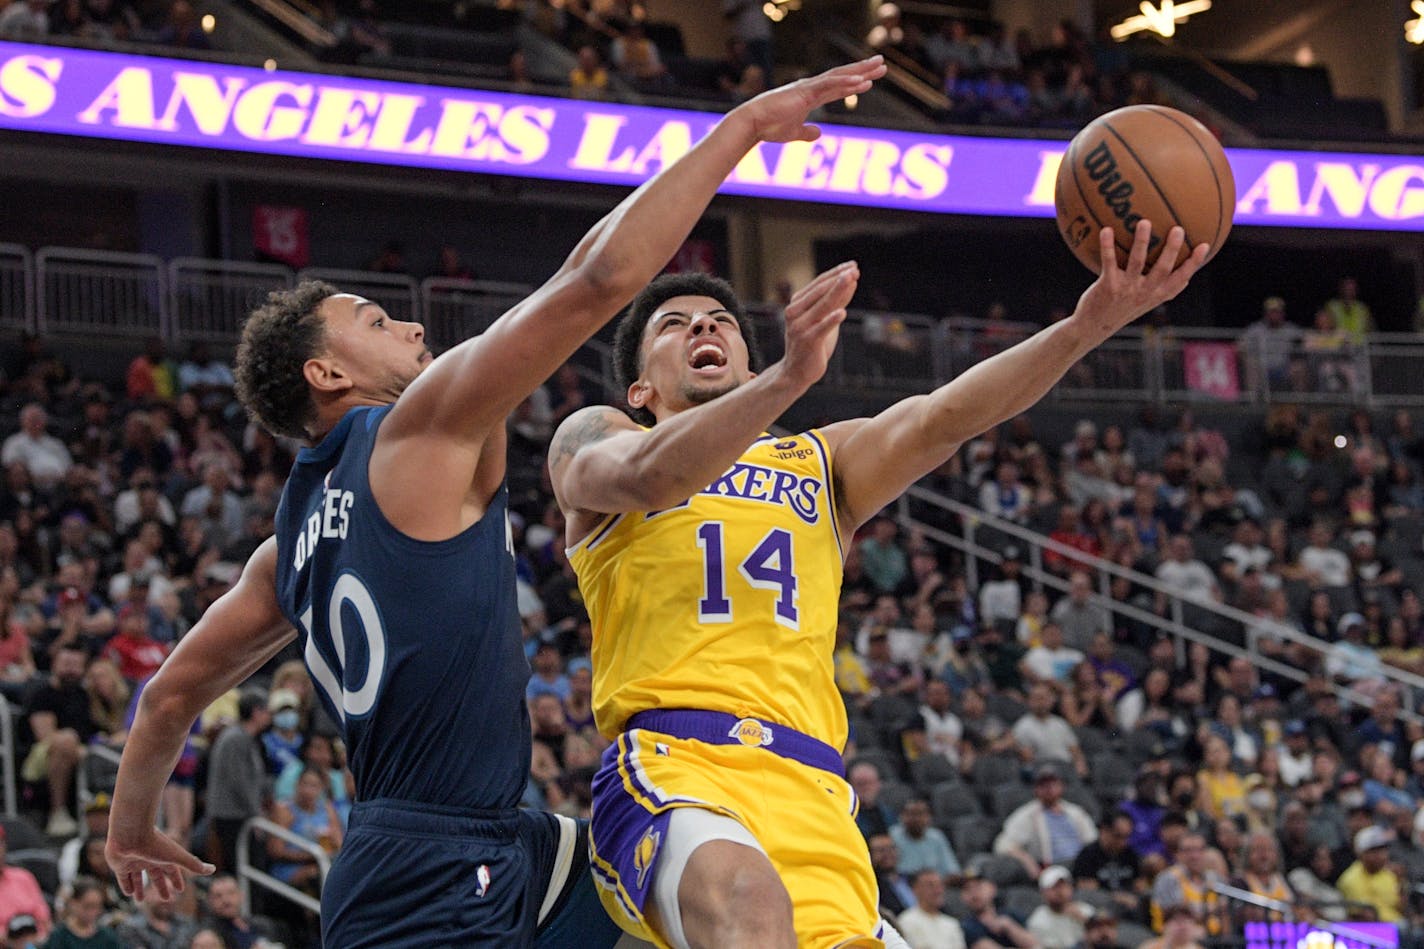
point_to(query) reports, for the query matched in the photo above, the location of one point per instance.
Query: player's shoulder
(586, 427)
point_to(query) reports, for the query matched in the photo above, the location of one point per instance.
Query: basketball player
(392, 558)
(709, 555)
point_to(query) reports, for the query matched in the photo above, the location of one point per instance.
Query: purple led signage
(1305, 936)
(179, 102)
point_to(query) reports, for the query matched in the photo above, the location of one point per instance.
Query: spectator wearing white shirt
(1293, 754)
(1350, 659)
(1184, 574)
(1051, 661)
(142, 501)
(1246, 549)
(1043, 736)
(1080, 617)
(1324, 566)
(1006, 496)
(1060, 921)
(43, 455)
(943, 729)
(1002, 599)
(1046, 830)
(925, 925)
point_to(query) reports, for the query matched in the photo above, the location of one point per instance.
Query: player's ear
(639, 393)
(325, 375)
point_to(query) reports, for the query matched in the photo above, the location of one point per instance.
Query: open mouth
(707, 357)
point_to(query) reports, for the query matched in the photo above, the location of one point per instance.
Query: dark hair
(628, 339)
(249, 703)
(83, 886)
(277, 340)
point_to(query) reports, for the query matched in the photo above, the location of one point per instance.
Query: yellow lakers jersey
(726, 602)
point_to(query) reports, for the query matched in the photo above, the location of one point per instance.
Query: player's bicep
(593, 462)
(876, 459)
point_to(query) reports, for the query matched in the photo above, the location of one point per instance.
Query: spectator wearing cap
(137, 654)
(1374, 573)
(1351, 659)
(20, 894)
(60, 718)
(1001, 599)
(1268, 344)
(23, 932)
(42, 455)
(896, 894)
(1059, 922)
(1144, 808)
(237, 777)
(95, 827)
(1048, 829)
(925, 925)
(1370, 879)
(1109, 864)
(1006, 496)
(1188, 882)
(1100, 931)
(283, 740)
(1294, 755)
(984, 926)
(1079, 616)
(921, 846)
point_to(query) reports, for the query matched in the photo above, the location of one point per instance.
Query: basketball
(1144, 161)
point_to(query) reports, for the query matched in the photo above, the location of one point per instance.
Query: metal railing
(248, 873)
(7, 757)
(397, 294)
(96, 757)
(17, 291)
(101, 293)
(971, 521)
(210, 299)
(63, 290)
(1288, 911)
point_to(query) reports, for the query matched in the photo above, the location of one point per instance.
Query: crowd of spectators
(103, 22)
(1035, 768)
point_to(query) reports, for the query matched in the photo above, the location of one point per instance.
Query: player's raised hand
(813, 322)
(1122, 294)
(780, 114)
(163, 860)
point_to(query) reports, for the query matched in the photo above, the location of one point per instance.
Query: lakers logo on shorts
(751, 733)
(645, 853)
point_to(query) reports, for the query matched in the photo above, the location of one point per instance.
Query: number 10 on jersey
(770, 566)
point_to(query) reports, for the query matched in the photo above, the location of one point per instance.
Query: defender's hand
(1122, 294)
(780, 114)
(813, 322)
(160, 857)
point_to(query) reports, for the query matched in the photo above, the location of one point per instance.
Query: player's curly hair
(277, 340)
(628, 339)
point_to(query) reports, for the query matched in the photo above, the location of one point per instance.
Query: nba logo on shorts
(751, 733)
(482, 876)
(645, 853)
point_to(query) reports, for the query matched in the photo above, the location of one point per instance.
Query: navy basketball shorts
(413, 876)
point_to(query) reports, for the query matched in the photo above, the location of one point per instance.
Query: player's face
(693, 351)
(377, 354)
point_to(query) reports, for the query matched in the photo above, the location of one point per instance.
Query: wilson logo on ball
(1101, 166)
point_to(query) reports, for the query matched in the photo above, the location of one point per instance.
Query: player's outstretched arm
(235, 637)
(476, 385)
(600, 462)
(877, 459)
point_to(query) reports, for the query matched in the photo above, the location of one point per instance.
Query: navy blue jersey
(415, 646)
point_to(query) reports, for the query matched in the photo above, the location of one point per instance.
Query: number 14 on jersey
(770, 566)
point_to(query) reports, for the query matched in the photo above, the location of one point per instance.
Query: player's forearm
(634, 241)
(684, 454)
(1004, 385)
(154, 745)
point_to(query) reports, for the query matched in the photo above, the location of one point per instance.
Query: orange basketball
(1144, 161)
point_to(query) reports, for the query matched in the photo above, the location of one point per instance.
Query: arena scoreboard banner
(1305, 936)
(107, 95)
